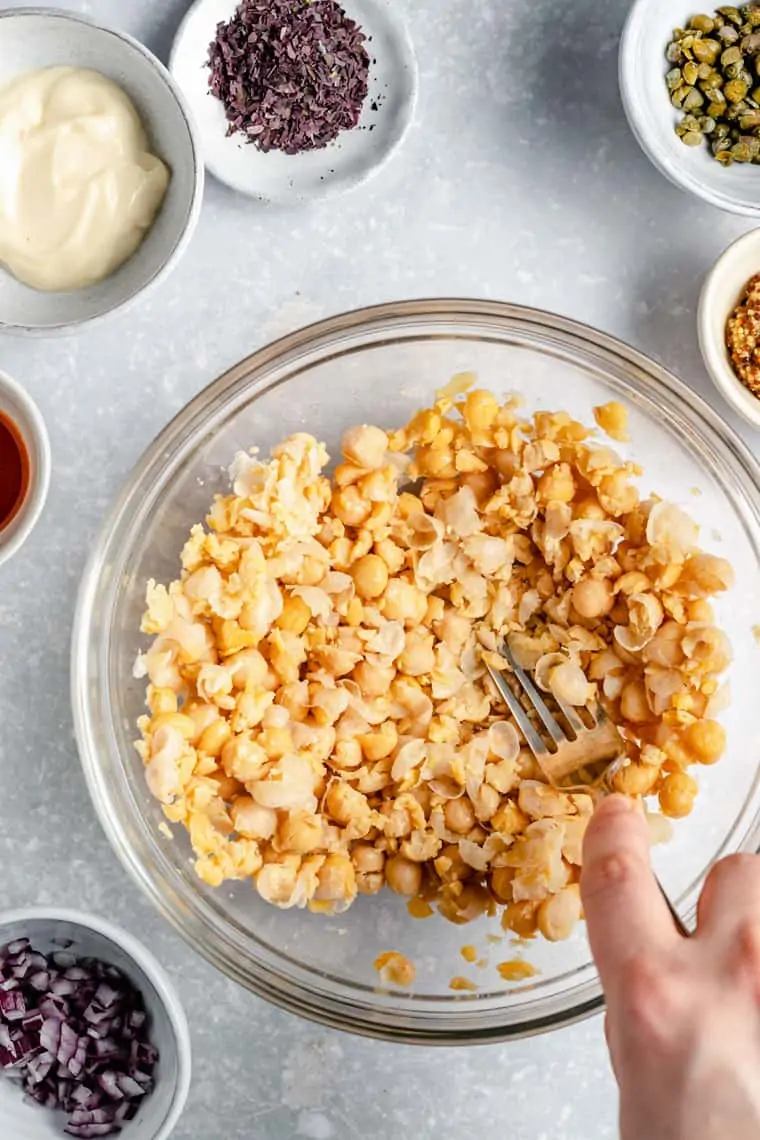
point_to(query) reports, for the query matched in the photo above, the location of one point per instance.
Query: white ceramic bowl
(288, 179)
(32, 38)
(98, 938)
(21, 409)
(721, 292)
(643, 67)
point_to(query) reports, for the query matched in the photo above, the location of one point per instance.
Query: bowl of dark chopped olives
(690, 84)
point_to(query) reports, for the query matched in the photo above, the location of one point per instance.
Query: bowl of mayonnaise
(101, 176)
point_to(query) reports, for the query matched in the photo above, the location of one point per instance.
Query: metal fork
(587, 758)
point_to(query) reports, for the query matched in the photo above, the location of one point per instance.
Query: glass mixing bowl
(378, 366)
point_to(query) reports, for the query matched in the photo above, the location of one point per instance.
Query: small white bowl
(96, 937)
(21, 409)
(646, 99)
(288, 179)
(32, 38)
(721, 292)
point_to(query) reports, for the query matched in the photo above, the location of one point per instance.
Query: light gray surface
(520, 181)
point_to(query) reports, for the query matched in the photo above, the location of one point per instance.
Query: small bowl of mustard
(101, 175)
(728, 325)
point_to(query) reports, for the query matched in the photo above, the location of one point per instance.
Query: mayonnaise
(79, 188)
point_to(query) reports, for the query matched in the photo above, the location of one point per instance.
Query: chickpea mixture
(320, 716)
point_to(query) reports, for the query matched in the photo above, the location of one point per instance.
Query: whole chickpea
(350, 506)
(558, 915)
(633, 703)
(370, 575)
(487, 802)
(367, 859)
(403, 876)
(677, 794)
(459, 815)
(593, 597)
(706, 739)
(214, 737)
(379, 744)
(636, 779)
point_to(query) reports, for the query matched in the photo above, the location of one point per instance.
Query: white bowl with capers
(648, 93)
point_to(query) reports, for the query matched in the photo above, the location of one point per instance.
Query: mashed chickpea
(320, 716)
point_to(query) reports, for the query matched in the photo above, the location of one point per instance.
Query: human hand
(683, 1014)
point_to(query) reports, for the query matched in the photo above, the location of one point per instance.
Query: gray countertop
(520, 181)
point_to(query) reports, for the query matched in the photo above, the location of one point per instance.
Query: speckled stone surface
(520, 181)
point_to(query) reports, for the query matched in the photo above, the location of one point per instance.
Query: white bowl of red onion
(93, 1038)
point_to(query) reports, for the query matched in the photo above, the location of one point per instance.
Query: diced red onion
(12, 1005)
(74, 1034)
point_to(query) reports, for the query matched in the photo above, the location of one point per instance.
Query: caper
(674, 53)
(690, 73)
(704, 71)
(749, 120)
(693, 100)
(751, 43)
(704, 51)
(707, 125)
(720, 145)
(692, 138)
(734, 70)
(728, 34)
(702, 23)
(679, 95)
(673, 78)
(730, 55)
(740, 152)
(724, 158)
(720, 131)
(735, 90)
(713, 82)
(751, 13)
(732, 14)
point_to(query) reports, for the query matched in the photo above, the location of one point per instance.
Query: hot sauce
(14, 470)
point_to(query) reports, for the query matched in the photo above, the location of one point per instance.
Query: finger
(730, 896)
(626, 914)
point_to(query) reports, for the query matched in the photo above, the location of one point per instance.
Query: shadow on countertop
(170, 16)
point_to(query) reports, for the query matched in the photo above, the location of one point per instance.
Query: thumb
(625, 911)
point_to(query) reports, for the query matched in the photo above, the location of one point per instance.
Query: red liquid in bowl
(14, 470)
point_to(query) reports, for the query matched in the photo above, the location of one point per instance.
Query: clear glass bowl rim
(330, 1005)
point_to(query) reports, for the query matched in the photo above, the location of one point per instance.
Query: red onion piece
(74, 1035)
